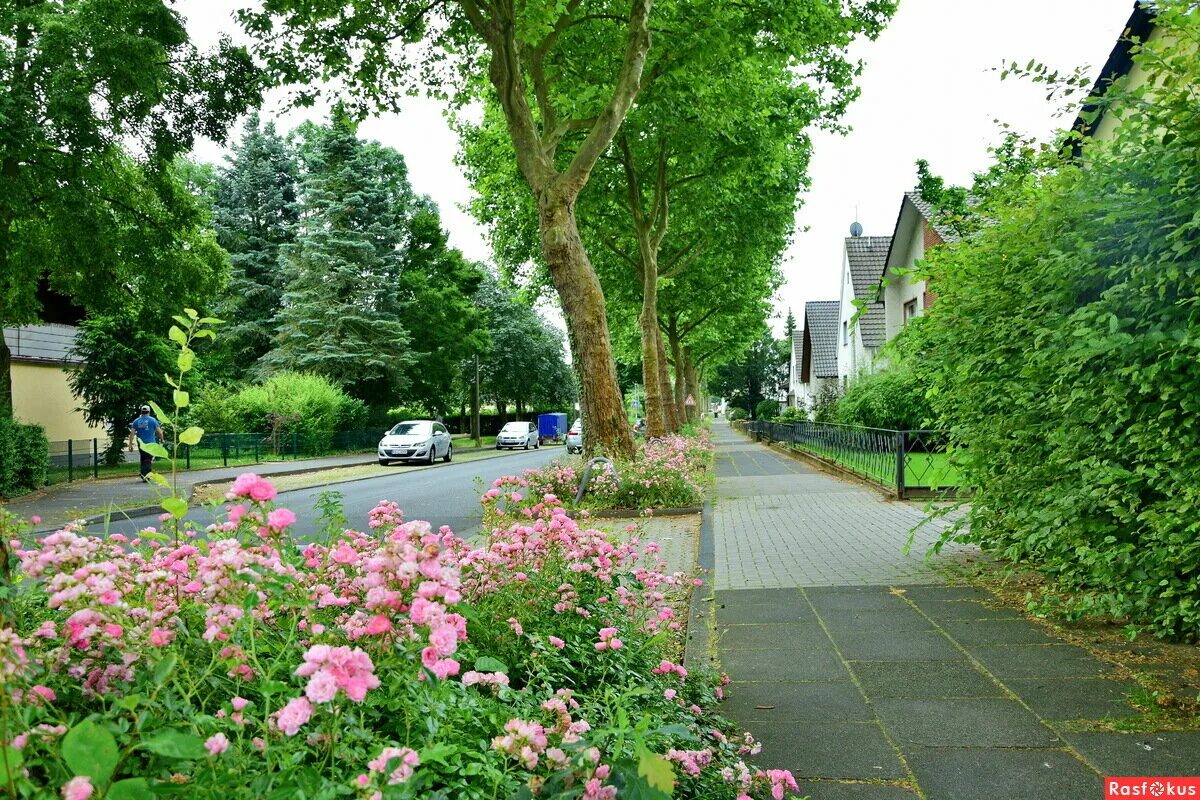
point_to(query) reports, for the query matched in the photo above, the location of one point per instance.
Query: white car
(575, 437)
(416, 440)
(517, 434)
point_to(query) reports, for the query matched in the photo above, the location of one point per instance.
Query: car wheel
(449, 453)
(432, 454)
(383, 462)
(497, 447)
(526, 444)
(537, 443)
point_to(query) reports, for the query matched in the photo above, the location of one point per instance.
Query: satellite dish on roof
(855, 229)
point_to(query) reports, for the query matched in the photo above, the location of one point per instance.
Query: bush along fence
(912, 463)
(76, 459)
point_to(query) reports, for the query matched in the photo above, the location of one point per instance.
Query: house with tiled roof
(797, 344)
(863, 323)
(917, 230)
(819, 350)
(1140, 29)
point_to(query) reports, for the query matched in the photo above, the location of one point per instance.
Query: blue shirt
(146, 428)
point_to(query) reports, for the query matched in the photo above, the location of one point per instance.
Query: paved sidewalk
(867, 679)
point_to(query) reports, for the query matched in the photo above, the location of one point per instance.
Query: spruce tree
(343, 305)
(255, 213)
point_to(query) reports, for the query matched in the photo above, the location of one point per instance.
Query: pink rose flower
(281, 518)
(557, 642)
(79, 788)
(216, 744)
(239, 703)
(292, 717)
(378, 624)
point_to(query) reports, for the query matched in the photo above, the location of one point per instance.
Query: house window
(845, 333)
(910, 310)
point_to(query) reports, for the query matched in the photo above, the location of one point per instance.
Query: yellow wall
(42, 396)
(1136, 77)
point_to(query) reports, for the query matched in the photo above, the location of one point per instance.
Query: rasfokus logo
(1151, 787)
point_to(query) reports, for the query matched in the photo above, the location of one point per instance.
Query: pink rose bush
(233, 662)
(666, 473)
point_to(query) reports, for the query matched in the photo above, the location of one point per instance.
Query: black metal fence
(908, 463)
(75, 459)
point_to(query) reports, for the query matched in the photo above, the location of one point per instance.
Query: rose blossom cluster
(337, 669)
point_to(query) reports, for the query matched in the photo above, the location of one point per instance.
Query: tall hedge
(24, 458)
(1064, 352)
(894, 399)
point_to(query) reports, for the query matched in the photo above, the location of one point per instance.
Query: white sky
(928, 91)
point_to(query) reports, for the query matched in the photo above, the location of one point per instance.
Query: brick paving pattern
(867, 679)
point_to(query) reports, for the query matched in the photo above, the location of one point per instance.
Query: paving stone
(827, 790)
(789, 636)
(921, 593)
(1074, 698)
(1163, 753)
(764, 613)
(783, 665)
(827, 750)
(789, 702)
(996, 631)
(897, 646)
(733, 598)
(940, 610)
(868, 598)
(874, 620)
(1002, 775)
(1038, 661)
(974, 722)
(923, 679)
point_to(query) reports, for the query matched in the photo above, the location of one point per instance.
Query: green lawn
(932, 470)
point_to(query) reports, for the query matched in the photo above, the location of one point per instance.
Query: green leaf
(130, 789)
(185, 359)
(177, 335)
(438, 753)
(191, 435)
(181, 320)
(13, 759)
(175, 744)
(181, 398)
(657, 771)
(90, 750)
(160, 480)
(155, 449)
(211, 321)
(158, 412)
(177, 507)
(164, 668)
(489, 664)
(191, 312)
(130, 701)
(170, 381)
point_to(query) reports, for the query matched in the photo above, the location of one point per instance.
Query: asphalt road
(445, 494)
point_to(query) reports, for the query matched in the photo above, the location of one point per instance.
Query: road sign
(691, 401)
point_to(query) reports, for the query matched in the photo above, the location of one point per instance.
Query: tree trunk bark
(680, 369)
(656, 420)
(664, 381)
(693, 388)
(604, 424)
(502, 407)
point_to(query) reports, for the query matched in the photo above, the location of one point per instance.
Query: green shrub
(24, 457)
(824, 404)
(736, 413)
(792, 414)
(289, 402)
(895, 399)
(1063, 353)
(766, 409)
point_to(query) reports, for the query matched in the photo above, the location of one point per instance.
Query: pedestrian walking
(148, 430)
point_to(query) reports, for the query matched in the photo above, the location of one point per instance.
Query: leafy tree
(523, 364)
(255, 213)
(789, 325)
(82, 80)
(1061, 350)
(123, 360)
(760, 374)
(343, 308)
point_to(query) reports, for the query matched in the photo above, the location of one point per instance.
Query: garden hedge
(24, 458)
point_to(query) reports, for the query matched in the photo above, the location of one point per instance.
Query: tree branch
(680, 261)
(624, 91)
(611, 245)
(693, 325)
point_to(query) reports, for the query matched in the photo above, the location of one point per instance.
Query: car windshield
(411, 429)
(517, 427)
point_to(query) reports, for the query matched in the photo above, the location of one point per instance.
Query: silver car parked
(575, 437)
(416, 440)
(518, 434)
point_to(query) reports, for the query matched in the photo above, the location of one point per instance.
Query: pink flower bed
(402, 661)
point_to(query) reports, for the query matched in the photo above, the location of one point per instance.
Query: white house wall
(901, 290)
